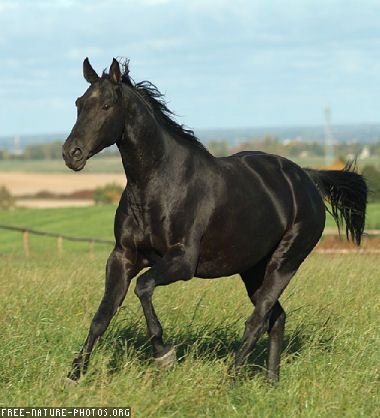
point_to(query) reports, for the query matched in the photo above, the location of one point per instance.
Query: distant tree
(375, 149)
(4, 154)
(108, 194)
(316, 149)
(49, 151)
(218, 148)
(296, 148)
(270, 144)
(6, 199)
(372, 176)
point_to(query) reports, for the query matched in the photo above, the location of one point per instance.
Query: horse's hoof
(168, 360)
(232, 375)
(273, 377)
(70, 382)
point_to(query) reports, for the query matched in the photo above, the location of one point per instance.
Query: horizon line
(275, 126)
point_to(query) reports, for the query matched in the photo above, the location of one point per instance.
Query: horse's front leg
(178, 264)
(119, 273)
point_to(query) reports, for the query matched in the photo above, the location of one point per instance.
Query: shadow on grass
(208, 343)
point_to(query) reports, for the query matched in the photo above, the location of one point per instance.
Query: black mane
(156, 101)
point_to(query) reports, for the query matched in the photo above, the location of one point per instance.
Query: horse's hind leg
(276, 332)
(275, 326)
(295, 245)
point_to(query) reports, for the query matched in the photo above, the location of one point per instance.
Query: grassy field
(373, 216)
(95, 221)
(330, 366)
(331, 360)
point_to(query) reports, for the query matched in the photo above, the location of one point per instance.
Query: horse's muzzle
(74, 156)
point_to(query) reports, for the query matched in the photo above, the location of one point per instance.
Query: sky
(220, 63)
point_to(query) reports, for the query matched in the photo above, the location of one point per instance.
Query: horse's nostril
(76, 153)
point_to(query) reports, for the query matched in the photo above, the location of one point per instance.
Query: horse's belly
(229, 254)
(220, 267)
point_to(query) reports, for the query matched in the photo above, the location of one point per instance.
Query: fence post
(25, 241)
(60, 245)
(91, 245)
(26, 232)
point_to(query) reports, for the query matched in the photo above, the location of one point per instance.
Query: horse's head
(100, 120)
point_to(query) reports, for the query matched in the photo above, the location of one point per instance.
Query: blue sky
(221, 63)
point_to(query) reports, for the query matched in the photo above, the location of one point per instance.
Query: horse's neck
(145, 151)
(149, 151)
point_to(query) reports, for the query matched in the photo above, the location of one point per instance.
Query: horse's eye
(106, 106)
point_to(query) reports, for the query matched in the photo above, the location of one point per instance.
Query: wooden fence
(367, 232)
(26, 232)
(92, 241)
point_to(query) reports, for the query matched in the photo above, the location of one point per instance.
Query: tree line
(292, 148)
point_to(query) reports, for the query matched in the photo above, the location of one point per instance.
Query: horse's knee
(185, 272)
(144, 286)
(278, 318)
(280, 322)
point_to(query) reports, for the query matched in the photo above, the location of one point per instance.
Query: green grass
(330, 366)
(372, 217)
(95, 221)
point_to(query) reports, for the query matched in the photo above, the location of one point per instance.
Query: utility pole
(329, 139)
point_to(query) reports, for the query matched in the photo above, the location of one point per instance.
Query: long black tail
(346, 191)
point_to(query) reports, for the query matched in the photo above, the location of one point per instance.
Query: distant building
(16, 151)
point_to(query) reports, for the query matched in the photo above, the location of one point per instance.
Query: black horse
(185, 213)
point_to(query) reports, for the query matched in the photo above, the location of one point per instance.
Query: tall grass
(330, 365)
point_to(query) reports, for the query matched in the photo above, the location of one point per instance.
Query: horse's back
(288, 184)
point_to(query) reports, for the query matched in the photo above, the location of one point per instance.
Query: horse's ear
(89, 73)
(115, 74)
